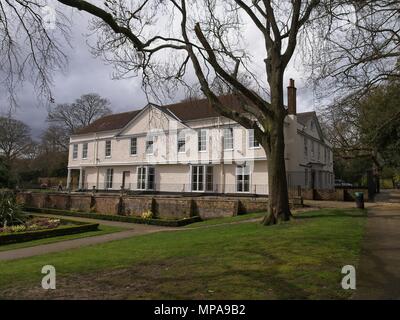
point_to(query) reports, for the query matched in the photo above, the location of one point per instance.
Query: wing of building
(188, 147)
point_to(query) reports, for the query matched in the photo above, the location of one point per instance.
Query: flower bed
(32, 224)
(63, 230)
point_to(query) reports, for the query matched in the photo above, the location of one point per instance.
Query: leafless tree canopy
(31, 39)
(15, 138)
(355, 45)
(79, 114)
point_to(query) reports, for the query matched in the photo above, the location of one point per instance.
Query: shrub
(10, 210)
(148, 214)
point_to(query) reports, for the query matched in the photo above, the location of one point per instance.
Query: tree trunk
(278, 199)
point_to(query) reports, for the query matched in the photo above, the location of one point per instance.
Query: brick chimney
(292, 98)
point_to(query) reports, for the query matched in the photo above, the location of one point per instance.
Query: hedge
(47, 233)
(156, 222)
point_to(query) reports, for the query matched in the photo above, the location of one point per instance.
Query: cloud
(87, 74)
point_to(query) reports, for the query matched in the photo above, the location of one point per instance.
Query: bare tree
(355, 46)
(158, 39)
(79, 114)
(32, 35)
(15, 139)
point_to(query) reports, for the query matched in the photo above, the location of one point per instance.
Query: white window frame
(228, 138)
(85, 148)
(109, 178)
(202, 140)
(204, 181)
(142, 182)
(181, 138)
(243, 169)
(150, 141)
(252, 142)
(133, 145)
(108, 147)
(75, 151)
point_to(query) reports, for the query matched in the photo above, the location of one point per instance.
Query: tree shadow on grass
(333, 214)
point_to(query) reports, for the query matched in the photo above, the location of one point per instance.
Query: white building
(188, 147)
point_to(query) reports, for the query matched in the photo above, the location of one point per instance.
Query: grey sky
(87, 74)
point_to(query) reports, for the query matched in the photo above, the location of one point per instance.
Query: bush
(10, 210)
(147, 215)
(157, 222)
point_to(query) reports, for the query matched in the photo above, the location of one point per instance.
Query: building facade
(188, 147)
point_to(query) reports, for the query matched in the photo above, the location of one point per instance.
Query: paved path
(132, 231)
(378, 275)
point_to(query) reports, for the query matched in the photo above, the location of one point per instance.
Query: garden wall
(215, 208)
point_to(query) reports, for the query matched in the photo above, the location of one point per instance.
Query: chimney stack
(292, 98)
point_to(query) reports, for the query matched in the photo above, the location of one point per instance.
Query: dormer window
(312, 125)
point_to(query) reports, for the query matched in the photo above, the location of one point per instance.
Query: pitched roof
(201, 108)
(188, 110)
(108, 123)
(304, 117)
(184, 111)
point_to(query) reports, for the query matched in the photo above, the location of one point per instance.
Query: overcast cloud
(87, 74)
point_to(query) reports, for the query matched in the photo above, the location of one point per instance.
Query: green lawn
(217, 221)
(297, 260)
(102, 230)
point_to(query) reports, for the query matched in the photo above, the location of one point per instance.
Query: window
(198, 178)
(253, 143)
(243, 179)
(181, 141)
(228, 139)
(146, 178)
(312, 149)
(306, 178)
(305, 147)
(326, 155)
(209, 179)
(108, 148)
(312, 125)
(149, 145)
(75, 151)
(84, 151)
(319, 151)
(133, 146)
(109, 178)
(202, 140)
(202, 178)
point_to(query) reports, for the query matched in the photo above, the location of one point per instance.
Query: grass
(217, 221)
(101, 231)
(298, 260)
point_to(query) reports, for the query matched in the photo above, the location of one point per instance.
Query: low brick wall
(81, 203)
(136, 206)
(162, 207)
(248, 205)
(107, 204)
(168, 208)
(58, 201)
(215, 208)
(38, 200)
